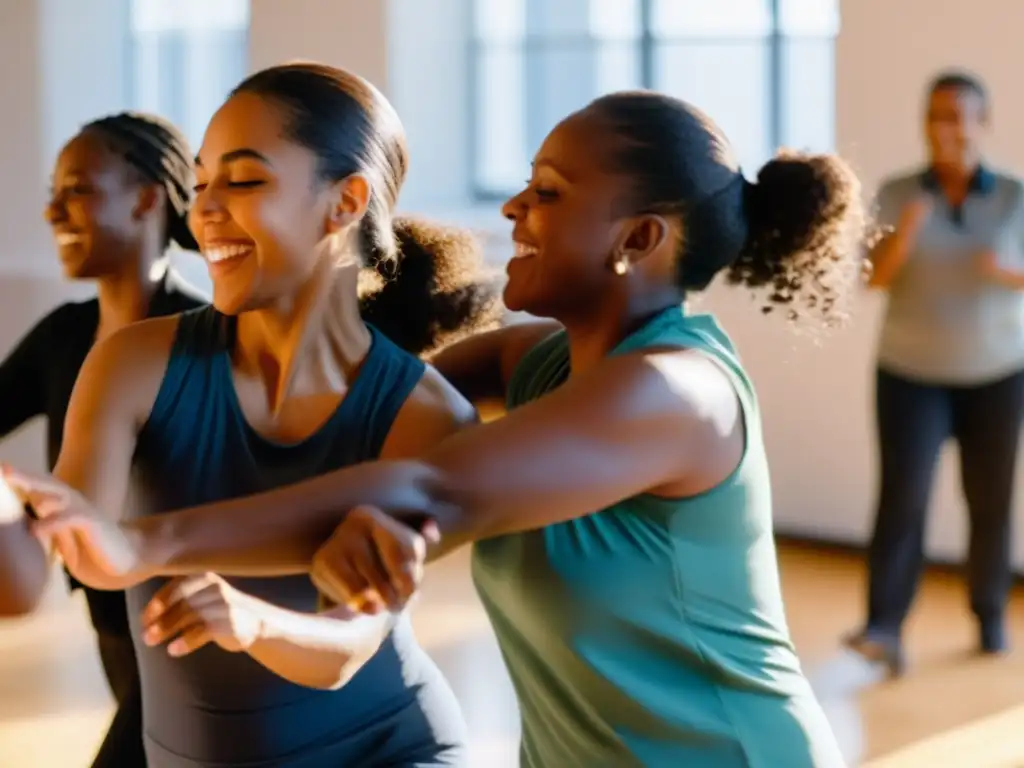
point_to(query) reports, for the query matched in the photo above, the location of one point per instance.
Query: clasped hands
(371, 563)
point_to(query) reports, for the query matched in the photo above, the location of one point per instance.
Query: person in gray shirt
(950, 364)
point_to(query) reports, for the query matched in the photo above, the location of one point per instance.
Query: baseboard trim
(853, 549)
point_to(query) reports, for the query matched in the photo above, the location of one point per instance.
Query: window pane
(730, 80)
(615, 19)
(551, 96)
(702, 18)
(561, 19)
(215, 63)
(187, 56)
(158, 85)
(617, 68)
(502, 162)
(519, 101)
(153, 15)
(585, 70)
(819, 18)
(808, 94)
(499, 20)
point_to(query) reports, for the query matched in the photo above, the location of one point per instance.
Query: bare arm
(318, 651)
(112, 398)
(890, 254)
(480, 367)
(635, 423)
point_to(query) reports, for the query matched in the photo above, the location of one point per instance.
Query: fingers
(62, 535)
(45, 496)
(59, 524)
(372, 560)
(178, 606)
(95, 551)
(174, 592)
(191, 612)
(181, 616)
(192, 639)
(366, 561)
(334, 576)
(403, 554)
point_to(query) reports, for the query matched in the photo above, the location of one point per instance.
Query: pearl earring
(620, 266)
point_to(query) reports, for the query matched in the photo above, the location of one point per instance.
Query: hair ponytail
(805, 228)
(433, 290)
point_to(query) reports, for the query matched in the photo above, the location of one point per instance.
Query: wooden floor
(951, 710)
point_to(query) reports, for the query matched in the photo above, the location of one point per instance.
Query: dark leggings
(914, 421)
(122, 747)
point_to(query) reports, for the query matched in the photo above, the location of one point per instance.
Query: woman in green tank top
(621, 512)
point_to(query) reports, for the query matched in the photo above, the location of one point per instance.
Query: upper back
(683, 591)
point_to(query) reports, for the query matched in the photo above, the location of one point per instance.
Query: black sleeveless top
(214, 708)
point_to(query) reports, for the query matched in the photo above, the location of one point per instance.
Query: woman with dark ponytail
(282, 380)
(119, 198)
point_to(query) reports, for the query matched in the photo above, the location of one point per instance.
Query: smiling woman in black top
(120, 196)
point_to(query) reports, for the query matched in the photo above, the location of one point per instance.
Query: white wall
(816, 398)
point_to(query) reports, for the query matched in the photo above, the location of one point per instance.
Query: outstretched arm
(317, 651)
(634, 423)
(113, 395)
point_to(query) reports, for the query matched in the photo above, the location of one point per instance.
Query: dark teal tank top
(214, 708)
(652, 632)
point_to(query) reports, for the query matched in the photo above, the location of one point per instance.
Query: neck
(958, 173)
(311, 343)
(124, 297)
(590, 341)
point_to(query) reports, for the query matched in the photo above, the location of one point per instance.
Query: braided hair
(160, 154)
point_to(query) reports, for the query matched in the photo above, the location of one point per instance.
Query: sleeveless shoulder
(388, 378)
(673, 327)
(546, 365)
(202, 330)
(202, 335)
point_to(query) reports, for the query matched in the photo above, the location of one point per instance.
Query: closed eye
(542, 193)
(232, 184)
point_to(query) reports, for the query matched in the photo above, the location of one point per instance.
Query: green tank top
(652, 632)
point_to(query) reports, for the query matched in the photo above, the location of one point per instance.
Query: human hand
(987, 264)
(914, 214)
(98, 552)
(372, 561)
(194, 611)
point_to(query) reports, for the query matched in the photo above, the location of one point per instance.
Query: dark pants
(914, 421)
(122, 747)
